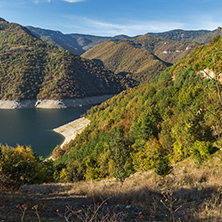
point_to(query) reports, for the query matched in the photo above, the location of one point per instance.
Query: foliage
(163, 167)
(127, 60)
(20, 166)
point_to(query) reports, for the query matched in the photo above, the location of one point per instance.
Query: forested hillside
(126, 59)
(151, 126)
(182, 35)
(31, 68)
(142, 58)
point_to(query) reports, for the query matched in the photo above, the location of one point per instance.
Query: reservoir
(33, 127)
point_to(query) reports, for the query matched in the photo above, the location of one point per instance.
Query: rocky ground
(70, 130)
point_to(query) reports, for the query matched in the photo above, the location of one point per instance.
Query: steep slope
(182, 35)
(150, 126)
(58, 38)
(31, 68)
(76, 43)
(167, 50)
(142, 58)
(124, 58)
(205, 56)
(208, 36)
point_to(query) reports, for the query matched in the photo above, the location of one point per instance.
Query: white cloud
(74, 1)
(131, 28)
(39, 1)
(205, 21)
(84, 25)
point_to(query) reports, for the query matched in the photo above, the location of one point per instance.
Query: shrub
(21, 165)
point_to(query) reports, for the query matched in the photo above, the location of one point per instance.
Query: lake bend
(33, 127)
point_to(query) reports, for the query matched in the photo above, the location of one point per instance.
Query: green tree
(163, 167)
(120, 147)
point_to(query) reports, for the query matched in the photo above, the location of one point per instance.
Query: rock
(53, 104)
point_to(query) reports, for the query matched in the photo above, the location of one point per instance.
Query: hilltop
(33, 69)
(76, 43)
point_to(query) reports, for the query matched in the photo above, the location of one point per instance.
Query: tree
(120, 146)
(163, 167)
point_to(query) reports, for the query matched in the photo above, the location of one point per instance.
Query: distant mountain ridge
(76, 43)
(181, 35)
(199, 36)
(166, 48)
(33, 69)
(80, 43)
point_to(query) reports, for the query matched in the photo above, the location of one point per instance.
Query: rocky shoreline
(53, 104)
(70, 130)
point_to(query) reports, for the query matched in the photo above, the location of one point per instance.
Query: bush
(21, 165)
(163, 167)
(201, 150)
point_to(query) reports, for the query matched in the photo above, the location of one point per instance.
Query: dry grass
(197, 189)
(190, 193)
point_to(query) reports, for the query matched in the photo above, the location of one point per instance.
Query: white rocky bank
(53, 104)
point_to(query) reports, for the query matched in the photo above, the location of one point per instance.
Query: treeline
(33, 69)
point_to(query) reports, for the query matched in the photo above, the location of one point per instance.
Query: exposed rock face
(209, 74)
(7, 104)
(53, 104)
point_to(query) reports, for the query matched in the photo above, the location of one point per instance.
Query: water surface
(34, 127)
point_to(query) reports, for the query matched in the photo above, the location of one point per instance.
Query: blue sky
(114, 17)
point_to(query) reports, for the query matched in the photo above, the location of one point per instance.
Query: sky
(114, 17)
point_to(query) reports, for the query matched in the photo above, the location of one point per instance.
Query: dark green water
(34, 127)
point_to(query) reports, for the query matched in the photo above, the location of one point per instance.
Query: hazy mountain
(182, 35)
(125, 59)
(76, 43)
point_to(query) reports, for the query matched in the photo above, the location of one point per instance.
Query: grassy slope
(197, 190)
(143, 57)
